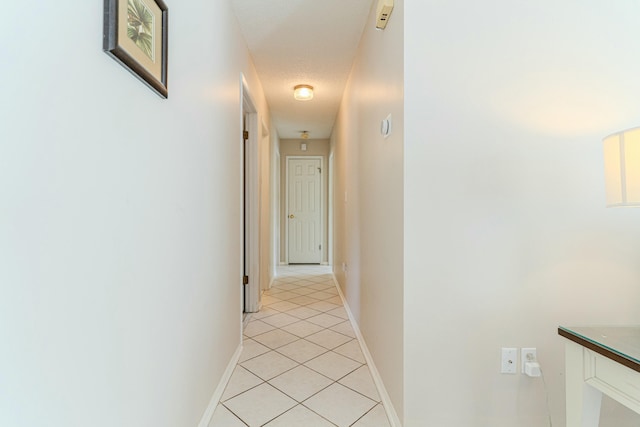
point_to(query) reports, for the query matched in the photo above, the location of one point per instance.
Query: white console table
(600, 360)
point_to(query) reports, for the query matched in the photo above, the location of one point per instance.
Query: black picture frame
(123, 41)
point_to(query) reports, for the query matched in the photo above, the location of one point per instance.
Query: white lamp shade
(622, 168)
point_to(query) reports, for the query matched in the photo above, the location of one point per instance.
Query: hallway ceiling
(303, 42)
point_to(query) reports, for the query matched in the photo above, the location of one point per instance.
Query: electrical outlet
(509, 360)
(527, 355)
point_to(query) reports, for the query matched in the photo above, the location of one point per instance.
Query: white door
(304, 214)
(250, 205)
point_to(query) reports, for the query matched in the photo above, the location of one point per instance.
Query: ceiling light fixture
(303, 92)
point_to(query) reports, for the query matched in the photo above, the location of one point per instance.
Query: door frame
(286, 203)
(250, 242)
(330, 195)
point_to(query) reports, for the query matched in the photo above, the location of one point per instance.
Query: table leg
(583, 401)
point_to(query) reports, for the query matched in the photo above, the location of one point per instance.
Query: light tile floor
(301, 364)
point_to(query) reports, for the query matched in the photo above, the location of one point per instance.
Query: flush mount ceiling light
(303, 92)
(622, 168)
(304, 134)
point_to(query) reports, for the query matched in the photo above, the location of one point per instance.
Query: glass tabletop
(621, 340)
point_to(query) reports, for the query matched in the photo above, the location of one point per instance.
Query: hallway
(301, 363)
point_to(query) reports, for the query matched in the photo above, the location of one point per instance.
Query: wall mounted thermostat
(383, 13)
(385, 126)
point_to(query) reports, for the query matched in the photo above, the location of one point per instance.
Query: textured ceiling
(303, 42)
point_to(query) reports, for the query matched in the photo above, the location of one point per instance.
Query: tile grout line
(327, 350)
(234, 414)
(319, 373)
(324, 283)
(366, 413)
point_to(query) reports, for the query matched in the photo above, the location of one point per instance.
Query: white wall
(274, 161)
(368, 197)
(506, 235)
(119, 219)
(265, 150)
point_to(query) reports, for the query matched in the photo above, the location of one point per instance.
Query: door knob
(291, 216)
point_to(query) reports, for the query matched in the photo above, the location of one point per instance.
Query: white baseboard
(246, 319)
(217, 394)
(394, 420)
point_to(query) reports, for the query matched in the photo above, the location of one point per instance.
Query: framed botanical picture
(135, 35)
